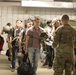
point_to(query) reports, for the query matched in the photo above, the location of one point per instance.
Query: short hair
(9, 24)
(48, 22)
(65, 17)
(36, 18)
(19, 20)
(28, 21)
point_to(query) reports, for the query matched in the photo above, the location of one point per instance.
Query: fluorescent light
(35, 4)
(46, 4)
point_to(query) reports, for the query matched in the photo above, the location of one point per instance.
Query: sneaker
(10, 66)
(13, 69)
(49, 67)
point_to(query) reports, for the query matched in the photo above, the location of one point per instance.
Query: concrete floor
(6, 70)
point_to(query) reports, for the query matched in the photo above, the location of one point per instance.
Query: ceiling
(10, 0)
(33, 0)
(18, 2)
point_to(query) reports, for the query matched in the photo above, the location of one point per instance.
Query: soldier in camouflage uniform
(74, 65)
(64, 43)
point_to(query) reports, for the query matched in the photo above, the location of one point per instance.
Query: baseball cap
(55, 20)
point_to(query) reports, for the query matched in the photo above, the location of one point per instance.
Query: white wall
(11, 14)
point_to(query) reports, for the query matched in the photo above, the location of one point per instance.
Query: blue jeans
(34, 55)
(14, 55)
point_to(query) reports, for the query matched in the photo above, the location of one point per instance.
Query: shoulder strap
(23, 33)
(12, 32)
(41, 29)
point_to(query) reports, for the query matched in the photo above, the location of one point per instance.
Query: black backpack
(25, 68)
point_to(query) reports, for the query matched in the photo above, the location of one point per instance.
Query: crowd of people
(57, 38)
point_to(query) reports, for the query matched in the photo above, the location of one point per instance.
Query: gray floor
(6, 70)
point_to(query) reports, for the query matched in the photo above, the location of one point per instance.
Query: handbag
(25, 67)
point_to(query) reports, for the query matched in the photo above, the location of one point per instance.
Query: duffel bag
(25, 68)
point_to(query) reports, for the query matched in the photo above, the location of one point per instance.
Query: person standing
(6, 30)
(64, 40)
(23, 34)
(33, 43)
(28, 25)
(15, 43)
(49, 50)
(74, 66)
(56, 23)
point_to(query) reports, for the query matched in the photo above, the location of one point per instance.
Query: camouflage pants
(63, 62)
(74, 68)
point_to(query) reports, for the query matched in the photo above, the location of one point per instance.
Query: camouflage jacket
(65, 38)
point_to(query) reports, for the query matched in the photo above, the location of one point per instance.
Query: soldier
(74, 65)
(64, 43)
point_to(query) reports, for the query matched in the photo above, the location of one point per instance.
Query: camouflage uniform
(64, 44)
(74, 66)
